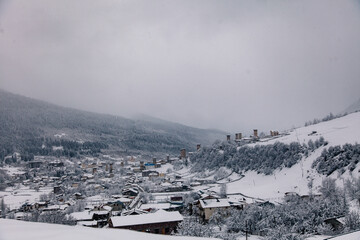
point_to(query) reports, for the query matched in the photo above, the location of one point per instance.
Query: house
(133, 211)
(208, 195)
(123, 200)
(146, 173)
(58, 190)
(40, 205)
(336, 223)
(160, 222)
(177, 199)
(117, 205)
(237, 202)
(130, 192)
(26, 207)
(153, 175)
(55, 208)
(78, 196)
(101, 217)
(34, 164)
(56, 163)
(310, 197)
(88, 218)
(149, 166)
(150, 207)
(207, 207)
(82, 216)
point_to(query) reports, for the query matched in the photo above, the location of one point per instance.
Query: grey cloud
(233, 65)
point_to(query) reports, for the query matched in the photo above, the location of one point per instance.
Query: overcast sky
(231, 65)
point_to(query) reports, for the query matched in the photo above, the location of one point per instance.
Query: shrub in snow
(338, 158)
(261, 158)
(352, 222)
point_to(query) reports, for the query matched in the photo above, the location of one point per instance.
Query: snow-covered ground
(295, 179)
(273, 187)
(14, 198)
(250, 237)
(337, 132)
(317, 237)
(12, 171)
(349, 236)
(19, 230)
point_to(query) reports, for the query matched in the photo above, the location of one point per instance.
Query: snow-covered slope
(18, 230)
(337, 131)
(296, 179)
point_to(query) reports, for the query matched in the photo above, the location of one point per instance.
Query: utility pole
(246, 230)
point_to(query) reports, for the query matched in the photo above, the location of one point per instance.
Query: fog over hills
(27, 123)
(353, 107)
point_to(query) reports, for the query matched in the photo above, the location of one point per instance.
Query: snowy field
(19, 230)
(14, 198)
(12, 171)
(337, 132)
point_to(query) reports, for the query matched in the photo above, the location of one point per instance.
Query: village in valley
(184, 120)
(227, 190)
(148, 195)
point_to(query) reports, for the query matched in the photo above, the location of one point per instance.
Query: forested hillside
(260, 158)
(28, 126)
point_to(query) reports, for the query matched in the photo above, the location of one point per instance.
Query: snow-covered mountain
(26, 123)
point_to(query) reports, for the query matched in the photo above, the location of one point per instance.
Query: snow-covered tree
(3, 208)
(191, 227)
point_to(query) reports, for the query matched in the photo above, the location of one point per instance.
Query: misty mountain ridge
(353, 107)
(28, 123)
(155, 120)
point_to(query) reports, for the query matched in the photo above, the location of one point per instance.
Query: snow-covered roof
(55, 207)
(214, 203)
(125, 200)
(107, 208)
(100, 212)
(155, 206)
(87, 223)
(166, 184)
(85, 215)
(133, 211)
(157, 217)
